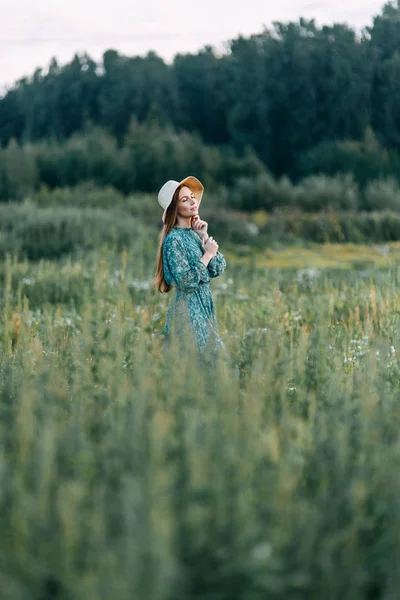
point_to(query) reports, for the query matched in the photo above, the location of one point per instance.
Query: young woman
(187, 259)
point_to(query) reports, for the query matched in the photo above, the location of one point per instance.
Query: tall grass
(124, 476)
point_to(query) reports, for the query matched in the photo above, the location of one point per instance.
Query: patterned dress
(192, 304)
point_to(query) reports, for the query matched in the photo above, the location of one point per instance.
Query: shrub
(319, 192)
(51, 232)
(18, 172)
(382, 195)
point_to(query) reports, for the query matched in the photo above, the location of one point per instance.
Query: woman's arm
(217, 265)
(187, 274)
(206, 258)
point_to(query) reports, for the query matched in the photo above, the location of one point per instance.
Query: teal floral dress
(192, 308)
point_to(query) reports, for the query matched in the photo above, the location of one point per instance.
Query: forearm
(206, 258)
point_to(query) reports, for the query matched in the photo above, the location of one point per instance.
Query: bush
(52, 232)
(365, 160)
(332, 226)
(84, 195)
(151, 154)
(319, 192)
(18, 172)
(262, 192)
(382, 195)
(314, 193)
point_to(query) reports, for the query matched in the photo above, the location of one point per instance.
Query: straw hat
(167, 191)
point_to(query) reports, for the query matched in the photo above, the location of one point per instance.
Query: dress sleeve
(187, 274)
(217, 265)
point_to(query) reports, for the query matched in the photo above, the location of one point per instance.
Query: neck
(183, 221)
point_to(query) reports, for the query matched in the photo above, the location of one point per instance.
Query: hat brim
(195, 185)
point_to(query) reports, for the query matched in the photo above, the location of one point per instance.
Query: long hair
(170, 219)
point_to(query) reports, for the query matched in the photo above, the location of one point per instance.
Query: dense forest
(293, 101)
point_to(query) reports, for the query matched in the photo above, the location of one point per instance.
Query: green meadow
(123, 476)
(129, 473)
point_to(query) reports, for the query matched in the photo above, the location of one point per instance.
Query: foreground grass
(122, 476)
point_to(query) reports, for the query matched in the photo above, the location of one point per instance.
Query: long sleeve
(187, 274)
(217, 265)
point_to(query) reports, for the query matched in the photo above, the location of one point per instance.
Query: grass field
(121, 477)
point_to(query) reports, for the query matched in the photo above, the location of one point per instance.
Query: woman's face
(187, 203)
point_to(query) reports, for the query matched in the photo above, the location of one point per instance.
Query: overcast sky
(32, 31)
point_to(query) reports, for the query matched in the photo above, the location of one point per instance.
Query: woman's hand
(200, 227)
(210, 246)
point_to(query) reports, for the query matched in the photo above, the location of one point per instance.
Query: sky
(31, 33)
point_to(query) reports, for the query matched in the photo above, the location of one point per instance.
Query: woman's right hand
(210, 246)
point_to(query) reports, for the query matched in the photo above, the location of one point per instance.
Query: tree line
(301, 99)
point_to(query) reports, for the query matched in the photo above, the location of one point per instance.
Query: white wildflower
(111, 318)
(157, 335)
(140, 285)
(252, 229)
(306, 275)
(260, 330)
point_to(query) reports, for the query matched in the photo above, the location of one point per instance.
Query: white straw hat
(167, 191)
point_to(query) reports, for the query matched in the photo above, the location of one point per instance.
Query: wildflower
(111, 318)
(306, 275)
(139, 285)
(17, 322)
(252, 229)
(261, 330)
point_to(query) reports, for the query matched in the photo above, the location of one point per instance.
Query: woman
(187, 259)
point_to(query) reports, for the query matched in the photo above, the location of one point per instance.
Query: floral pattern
(192, 303)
